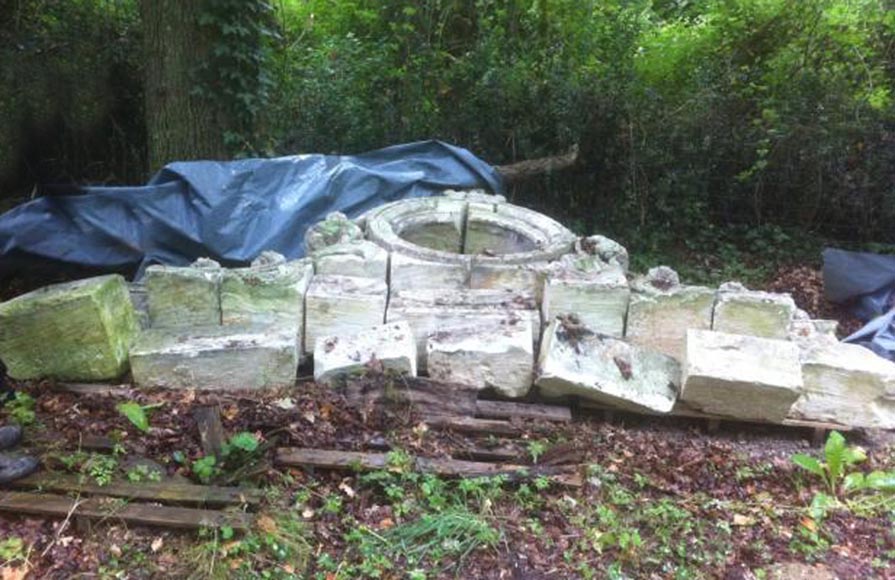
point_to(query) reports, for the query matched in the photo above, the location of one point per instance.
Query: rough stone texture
(359, 258)
(658, 317)
(419, 227)
(433, 310)
(495, 352)
(596, 293)
(742, 311)
(269, 291)
(140, 302)
(74, 331)
(741, 376)
(184, 296)
(505, 233)
(342, 305)
(479, 195)
(846, 383)
(408, 272)
(216, 357)
(575, 361)
(607, 250)
(527, 278)
(335, 229)
(392, 345)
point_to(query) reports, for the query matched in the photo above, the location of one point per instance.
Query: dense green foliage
(695, 120)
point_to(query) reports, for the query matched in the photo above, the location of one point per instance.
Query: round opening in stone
(479, 238)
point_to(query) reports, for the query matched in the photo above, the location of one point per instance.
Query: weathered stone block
(659, 319)
(392, 345)
(216, 357)
(335, 229)
(597, 294)
(848, 384)
(359, 258)
(429, 311)
(575, 361)
(74, 331)
(742, 311)
(342, 305)
(266, 292)
(528, 278)
(607, 250)
(741, 376)
(184, 296)
(409, 273)
(496, 352)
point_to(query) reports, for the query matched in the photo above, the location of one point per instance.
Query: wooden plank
(489, 455)
(162, 492)
(119, 390)
(37, 504)
(420, 394)
(474, 426)
(211, 431)
(344, 460)
(510, 409)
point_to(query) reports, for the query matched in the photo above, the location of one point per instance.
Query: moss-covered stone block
(264, 294)
(179, 296)
(74, 331)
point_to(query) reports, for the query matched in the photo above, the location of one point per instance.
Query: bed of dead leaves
(741, 475)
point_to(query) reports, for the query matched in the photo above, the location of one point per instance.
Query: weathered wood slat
(21, 503)
(211, 431)
(474, 426)
(163, 492)
(510, 409)
(423, 395)
(354, 460)
(489, 455)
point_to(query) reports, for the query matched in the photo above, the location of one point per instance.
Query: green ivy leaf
(135, 414)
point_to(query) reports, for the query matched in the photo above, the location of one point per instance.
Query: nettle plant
(845, 488)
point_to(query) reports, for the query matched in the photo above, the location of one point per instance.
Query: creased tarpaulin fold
(230, 211)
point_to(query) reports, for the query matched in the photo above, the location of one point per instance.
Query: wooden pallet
(565, 475)
(72, 497)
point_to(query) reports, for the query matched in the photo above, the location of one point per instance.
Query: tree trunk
(179, 123)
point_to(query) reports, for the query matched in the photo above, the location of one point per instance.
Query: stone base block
(184, 296)
(848, 384)
(741, 311)
(430, 311)
(392, 345)
(360, 258)
(598, 299)
(576, 361)
(266, 294)
(741, 376)
(216, 357)
(494, 352)
(74, 331)
(342, 305)
(659, 320)
(410, 273)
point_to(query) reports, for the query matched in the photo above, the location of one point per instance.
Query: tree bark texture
(180, 124)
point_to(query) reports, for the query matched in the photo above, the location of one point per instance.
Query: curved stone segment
(753, 313)
(741, 376)
(183, 296)
(430, 311)
(216, 357)
(493, 352)
(360, 258)
(266, 294)
(509, 234)
(390, 345)
(335, 229)
(411, 273)
(846, 383)
(73, 331)
(575, 361)
(342, 305)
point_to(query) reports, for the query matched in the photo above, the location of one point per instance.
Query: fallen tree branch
(529, 168)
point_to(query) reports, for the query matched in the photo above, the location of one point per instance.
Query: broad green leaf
(854, 455)
(808, 463)
(834, 451)
(853, 482)
(135, 414)
(881, 480)
(244, 441)
(821, 504)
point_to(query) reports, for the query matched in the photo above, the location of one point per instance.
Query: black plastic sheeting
(866, 282)
(229, 211)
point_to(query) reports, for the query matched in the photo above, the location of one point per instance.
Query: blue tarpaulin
(866, 282)
(230, 211)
